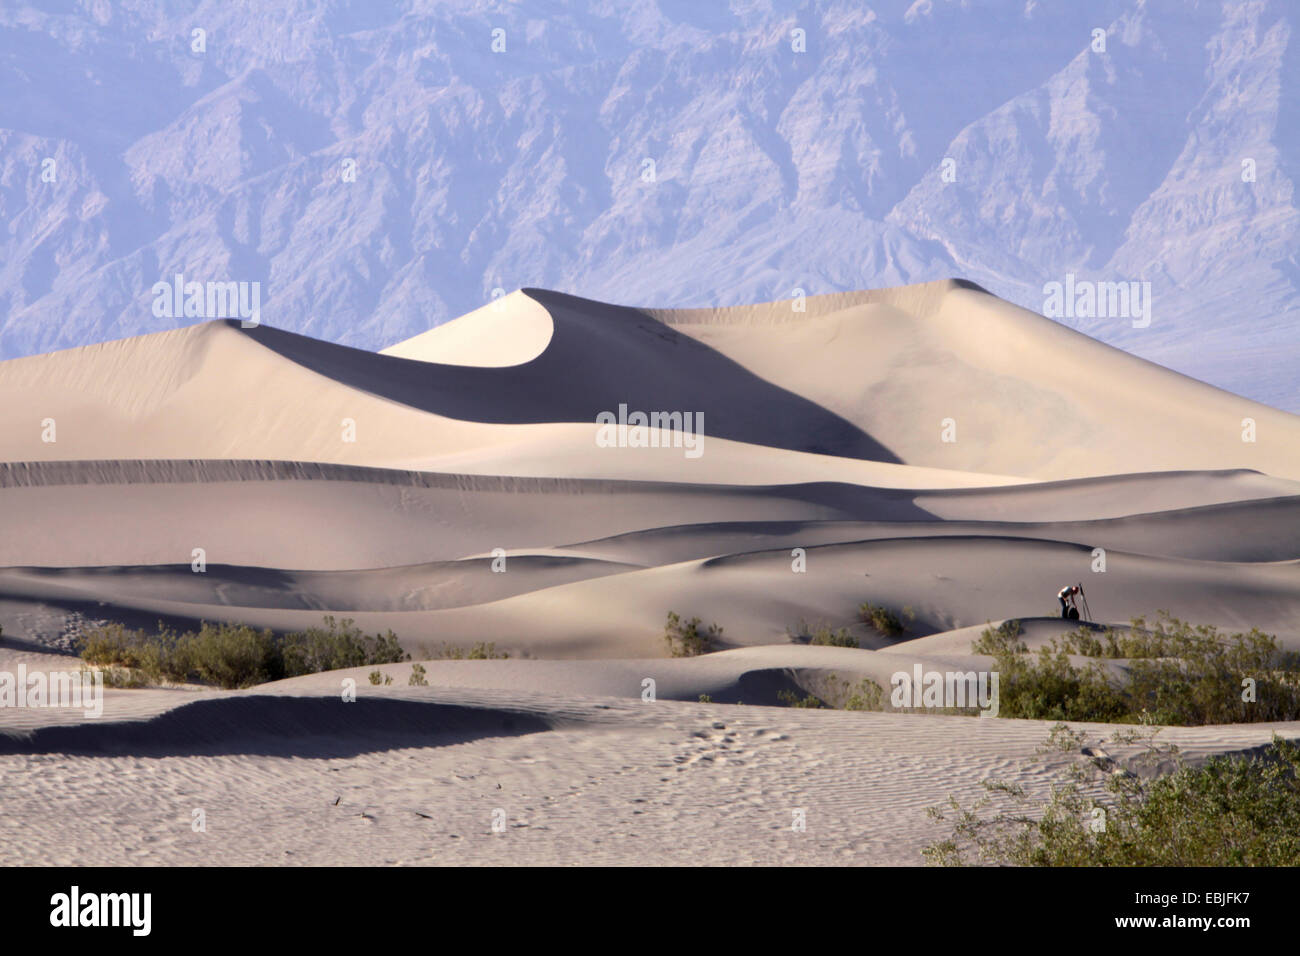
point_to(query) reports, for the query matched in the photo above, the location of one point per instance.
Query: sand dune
(866, 376)
(312, 479)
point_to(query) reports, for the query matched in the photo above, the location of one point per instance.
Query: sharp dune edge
(822, 431)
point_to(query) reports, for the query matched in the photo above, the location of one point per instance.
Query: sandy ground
(414, 776)
(452, 489)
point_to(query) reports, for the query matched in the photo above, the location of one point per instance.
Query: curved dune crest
(512, 330)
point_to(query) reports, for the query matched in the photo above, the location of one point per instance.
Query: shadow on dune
(316, 727)
(599, 356)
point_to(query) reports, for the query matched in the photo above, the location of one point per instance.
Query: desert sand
(930, 447)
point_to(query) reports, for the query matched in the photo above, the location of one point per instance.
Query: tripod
(1087, 612)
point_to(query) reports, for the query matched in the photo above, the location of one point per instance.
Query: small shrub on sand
(822, 634)
(885, 621)
(868, 695)
(791, 699)
(337, 645)
(685, 639)
(417, 676)
(133, 658)
(228, 655)
(1239, 810)
(832, 692)
(120, 678)
(478, 652)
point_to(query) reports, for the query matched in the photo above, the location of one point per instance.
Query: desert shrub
(822, 634)
(884, 620)
(228, 655)
(686, 639)
(376, 677)
(231, 655)
(1047, 686)
(122, 678)
(337, 645)
(868, 695)
(705, 699)
(132, 658)
(1175, 674)
(1239, 810)
(417, 676)
(109, 646)
(1181, 674)
(478, 652)
(833, 691)
(791, 699)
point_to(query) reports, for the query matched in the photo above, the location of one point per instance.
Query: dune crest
(927, 376)
(511, 330)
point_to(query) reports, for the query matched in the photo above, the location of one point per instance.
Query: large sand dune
(388, 488)
(868, 375)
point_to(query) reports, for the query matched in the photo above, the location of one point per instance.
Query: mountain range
(379, 169)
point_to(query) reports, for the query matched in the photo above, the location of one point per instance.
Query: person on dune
(1068, 601)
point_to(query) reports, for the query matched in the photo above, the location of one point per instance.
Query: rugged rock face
(379, 173)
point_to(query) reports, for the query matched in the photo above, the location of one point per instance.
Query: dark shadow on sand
(260, 725)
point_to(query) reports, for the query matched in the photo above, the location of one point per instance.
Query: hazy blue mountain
(989, 139)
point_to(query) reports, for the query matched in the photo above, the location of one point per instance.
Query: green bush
(478, 652)
(686, 639)
(791, 699)
(1175, 674)
(868, 695)
(133, 658)
(231, 655)
(417, 676)
(118, 677)
(1230, 811)
(108, 647)
(1047, 686)
(337, 645)
(833, 691)
(884, 620)
(228, 655)
(822, 634)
